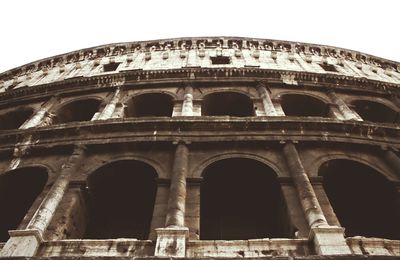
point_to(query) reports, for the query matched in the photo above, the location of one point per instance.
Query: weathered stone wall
(180, 146)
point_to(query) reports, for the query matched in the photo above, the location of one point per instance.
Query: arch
(18, 190)
(120, 199)
(317, 95)
(352, 157)
(15, 118)
(199, 170)
(365, 202)
(150, 104)
(304, 105)
(126, 98)
(77, 110)
(159, 168)
(375, 111)
(250, 204)
(234, 104)
(246, 92)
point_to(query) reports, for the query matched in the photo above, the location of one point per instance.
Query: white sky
(32, 30)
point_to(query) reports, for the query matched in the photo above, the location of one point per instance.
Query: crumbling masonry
(201, 148)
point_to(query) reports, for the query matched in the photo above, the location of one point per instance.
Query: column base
(22, 243)
(329, 240)
(171, 241)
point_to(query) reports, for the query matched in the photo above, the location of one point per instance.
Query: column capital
(80, 148)
(389, 148)
(330, 90)
(288, 141)
(260, 83)
(188, 84)
(185, 142)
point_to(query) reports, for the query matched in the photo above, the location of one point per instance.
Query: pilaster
(171, 240)
(266, 100)
(328, 240)
(348, 114)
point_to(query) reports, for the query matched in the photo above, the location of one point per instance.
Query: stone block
(329, 240)
(21, 243)
(171, 242)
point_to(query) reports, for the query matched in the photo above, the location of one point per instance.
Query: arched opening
(227, 104)
(14, 119)
(120, 200)
(303, 105)
(18, 190)
(151, 104)
(364, 201)
(241, 199)
(375, 112)
(79, 110)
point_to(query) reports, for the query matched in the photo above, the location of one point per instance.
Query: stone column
(347, 113)
(266, 99)
(26, 242)
(41, 115)
(278, 106)
(309, 201)
(108, 111)
(328, 240)
(177, 194)
(171, 240)
(119, 110)
(393, 160)
(187, 106)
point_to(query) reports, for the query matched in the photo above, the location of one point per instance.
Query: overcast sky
(32, 30)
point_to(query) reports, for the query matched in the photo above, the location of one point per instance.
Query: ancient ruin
(201, 148)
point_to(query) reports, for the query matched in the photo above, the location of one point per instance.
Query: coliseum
(201, 148)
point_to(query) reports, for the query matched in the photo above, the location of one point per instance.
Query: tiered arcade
(201, 148)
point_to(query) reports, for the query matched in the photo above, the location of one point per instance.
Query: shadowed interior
(375, 112)
(303, 105)
(80, 110)
(364, 201)
(120, 200)
(227, 104)
(241, 199)
(18, 190)
(151, 104)
(14, 119)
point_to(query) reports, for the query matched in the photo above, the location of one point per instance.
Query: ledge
(131, 78)
(97, 248)
(206, 129)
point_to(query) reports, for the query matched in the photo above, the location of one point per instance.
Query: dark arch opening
(120, 200)
(14, 119)
(241, 199)
(227, 104)
(364, 201)
(151, 104)
(18, 190)
(79, 110)
(303, 105)
(375, 112)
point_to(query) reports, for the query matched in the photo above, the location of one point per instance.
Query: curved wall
(174, 109)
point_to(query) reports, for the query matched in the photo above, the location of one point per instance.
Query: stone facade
(201, 148)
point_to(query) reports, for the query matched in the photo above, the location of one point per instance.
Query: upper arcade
(203, 53)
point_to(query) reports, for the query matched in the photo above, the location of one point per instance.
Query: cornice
(199, 76)
(128, 50)
(207, 129)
